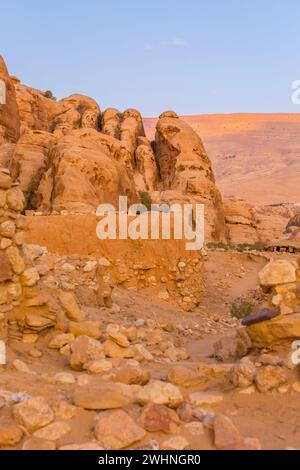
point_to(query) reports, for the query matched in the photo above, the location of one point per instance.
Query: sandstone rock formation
(6, 153)
(29, 161)
(241, 221)
(73, 157)
(146, 176)
(35, 108)
(281, 280)
(294, 222)
(284, 328)
(74, 112)
(85, 169)
(111, 121)
(278, 272)
(254, 156)
(186, 171)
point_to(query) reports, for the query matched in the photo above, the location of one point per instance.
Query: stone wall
(29, 303)
(164, 266)
(13, 269)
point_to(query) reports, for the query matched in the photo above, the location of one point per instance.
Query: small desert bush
(241, 308)
(49, 94)
(241, 247)
(258, 246)
(54, 123)
(146, 199)
(219, 245)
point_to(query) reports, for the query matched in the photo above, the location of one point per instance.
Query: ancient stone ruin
(14, 273)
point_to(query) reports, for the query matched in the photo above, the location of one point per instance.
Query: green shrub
(49, 94)
(218, 245)
(241, 247)
(54, 123)
(259, 246)
(146, 199)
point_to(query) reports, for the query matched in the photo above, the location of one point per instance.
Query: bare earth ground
(272, 418)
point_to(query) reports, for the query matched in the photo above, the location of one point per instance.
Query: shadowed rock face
(146, 175)
(183, 161)
(127, 127)
(30, 160)
(111, 121)
(6, 153)
(131, 128)
(9, 113)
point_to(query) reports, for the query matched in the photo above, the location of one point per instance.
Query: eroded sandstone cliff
(68, 155)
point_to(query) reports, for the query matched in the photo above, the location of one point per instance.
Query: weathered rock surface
(117, 430)
(160, 393)
(71, 306)
(29, 162)
(241, 221)
(84, 350)
(103, 396)
(269, 377)
(87, 168)
(33, 413)
(186, 169)
(86, 328)
(279, 329)
(232, 347)
(53, 431)
(34, 443)
(131, 375)
(186, 377)
(175, 443)
(277, 272)
(242, 374)
(228, 437)
(200, 399)
(158, 418)
(10, 435)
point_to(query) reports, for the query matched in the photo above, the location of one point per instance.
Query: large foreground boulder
(279, 329)
(277, 272)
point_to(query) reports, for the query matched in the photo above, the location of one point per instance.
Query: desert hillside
(254, 156)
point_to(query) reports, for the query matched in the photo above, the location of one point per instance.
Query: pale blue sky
(193, 56)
